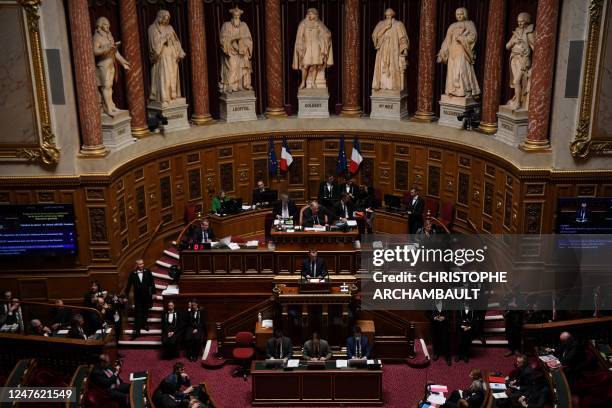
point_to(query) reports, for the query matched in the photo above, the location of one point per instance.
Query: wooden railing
(541, 334)
(151, 238)
(227, 329)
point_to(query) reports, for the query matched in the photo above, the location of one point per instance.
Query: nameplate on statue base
(116, 131)
(313, 103)
(388, 104)
(511, 125)
(175, 112)
(452, 107)
(237, 106)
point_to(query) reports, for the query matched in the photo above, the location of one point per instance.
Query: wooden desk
(246, 223)
(331, 386)
(314, 237)
(262, 335)
(390, 222)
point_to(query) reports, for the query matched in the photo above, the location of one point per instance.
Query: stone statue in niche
(389, 98)
(165, 52)
(457, 52)
(237, 47)
(521, 50)
(313, 51)
(106, 53)
(391, 44)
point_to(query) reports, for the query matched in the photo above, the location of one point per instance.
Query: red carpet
(402, 385)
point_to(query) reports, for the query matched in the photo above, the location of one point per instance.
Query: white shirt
(285, 213)
(139, 273)
(170, 317)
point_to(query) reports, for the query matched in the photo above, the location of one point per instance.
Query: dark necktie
(316, 219)
(316, 350)
(358, 347)
(312, 269)
(279, 350)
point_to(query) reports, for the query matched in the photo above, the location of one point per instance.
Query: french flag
(356, 157)
(286, 158)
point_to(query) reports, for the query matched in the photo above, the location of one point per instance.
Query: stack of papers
(252, 244)
(351, 223)
(341, 363)
(320, 228)
(436, 399)
(438, 388)
(500, 395)
(551, 361)
(233, 246)
(293, 363)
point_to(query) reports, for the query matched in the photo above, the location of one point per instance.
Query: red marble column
(427, 59)
(90, 118)
(199, 66)
(494, 60)
(351, 74)
(130, 38)
(274, 59)
(542, 72)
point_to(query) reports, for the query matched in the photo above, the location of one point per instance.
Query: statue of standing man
(106, 53)
(457, 52)
(392, 44)
(313, 51)
(521, 49)
(165, 52)
(237, 47)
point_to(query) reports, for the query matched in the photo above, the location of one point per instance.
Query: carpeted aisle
(402, 385)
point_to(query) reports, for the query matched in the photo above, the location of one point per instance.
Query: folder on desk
(496, 379)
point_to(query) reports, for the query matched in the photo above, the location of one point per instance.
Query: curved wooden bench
(79, 383)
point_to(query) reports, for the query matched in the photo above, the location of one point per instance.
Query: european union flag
(272, 162)
(341, 162)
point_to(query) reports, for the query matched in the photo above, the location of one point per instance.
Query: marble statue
(237, 47)
(391, 44)
(313, 51)
(457, 52)
(165, 52)
(521, 49)
(106, 53)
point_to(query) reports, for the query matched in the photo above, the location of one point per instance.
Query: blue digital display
(37, 230)
(584, 215)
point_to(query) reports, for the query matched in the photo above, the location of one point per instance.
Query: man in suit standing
(279, 346)
(141, 279)
(416, 206)
(348, 187)
(343, 210)
(314, 215)
(465, 323)
(203, 233)
(328, 192)
(107, 378)
(313, 266)
(440, 325)
(195, 331)
(357, 346)
(316, 349)
(171, 330)
(285, 208)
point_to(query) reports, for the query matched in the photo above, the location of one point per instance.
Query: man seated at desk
(202, 233)
(313, 266)
(343, 210)
(314, 215)
(316, 349)
(279, 346)
(357, 346)
(260, 195)
(285, 208)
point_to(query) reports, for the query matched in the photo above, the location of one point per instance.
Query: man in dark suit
(582, 213)
(314, 215)
(195, 331)
(513, 317)
(76, 328)
(570, 354)
(343, 210)
(203, 233)
(285, 208)
(440, 325)
(521, 378)
(313, 266)
(60, 316)
(141, 279)
(348, 187)
(171, 331)
(259, 194)
(416, 206)
(357, 346)
(7, 295)
(179, 378)
(328, 192)
(465, 323)
(279, 346)
(106, 378)
(316, 349)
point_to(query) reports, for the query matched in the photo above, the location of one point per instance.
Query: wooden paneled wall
(117, 214)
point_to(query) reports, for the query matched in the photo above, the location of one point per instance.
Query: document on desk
(351, 223)
(500, 395)
(252, 244)
(497, 386)
(438, 388)
(320, 228)
(341, 363)
(309, 229)
(435, 398)
(293, 363)
(233, 246)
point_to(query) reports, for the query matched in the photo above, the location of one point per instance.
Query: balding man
(141, 279)
(314, 215)
(106, 377)
(38, 329)
(570, 354)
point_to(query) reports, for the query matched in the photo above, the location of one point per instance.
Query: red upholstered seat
(447, 214)
(96, 397)
(243, 353)
(431, 207)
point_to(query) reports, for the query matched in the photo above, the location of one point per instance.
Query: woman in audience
(474, 395)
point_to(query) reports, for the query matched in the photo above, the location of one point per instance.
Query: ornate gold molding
(583, 144)
(46, 153)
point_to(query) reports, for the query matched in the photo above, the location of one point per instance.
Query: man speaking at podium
(313, 266)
